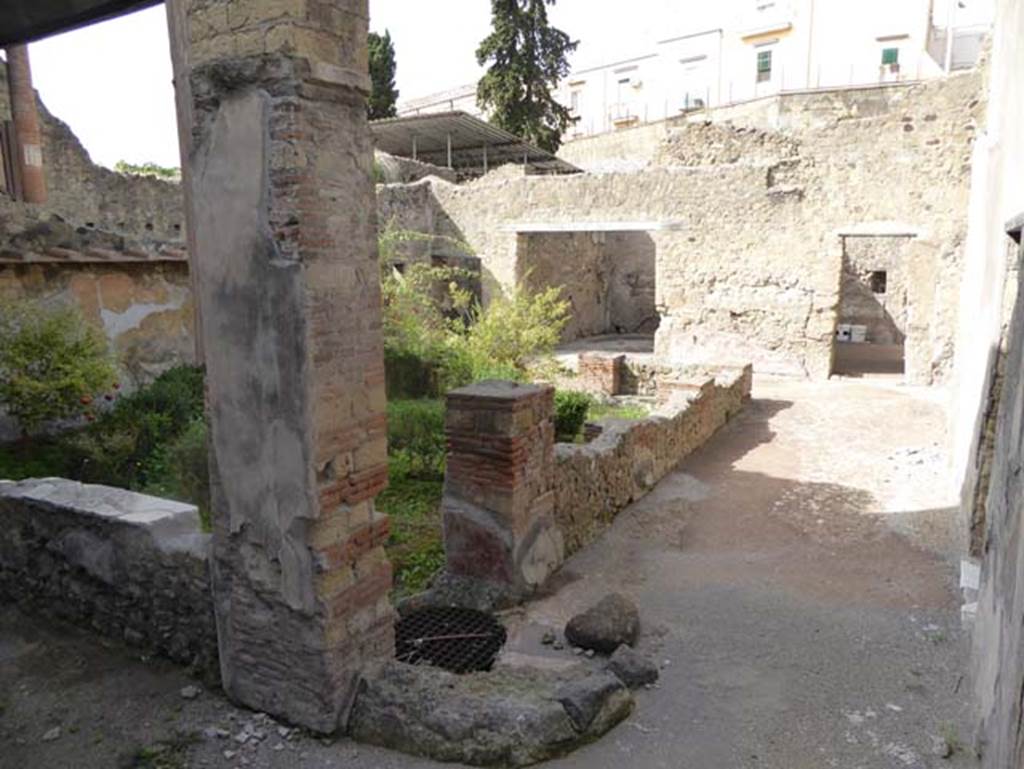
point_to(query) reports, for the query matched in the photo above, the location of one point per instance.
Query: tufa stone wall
(595, 480)
(129, 566)
(607, 278)
(749, 254)
(87, 195)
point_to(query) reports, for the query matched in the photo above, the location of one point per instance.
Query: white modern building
(763, 47)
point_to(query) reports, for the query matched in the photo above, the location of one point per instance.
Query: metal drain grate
(459, 640)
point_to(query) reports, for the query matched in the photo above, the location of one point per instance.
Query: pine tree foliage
(383, 95)
(528, 57)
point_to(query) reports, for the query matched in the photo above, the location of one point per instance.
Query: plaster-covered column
(26, 125)
(283, 221)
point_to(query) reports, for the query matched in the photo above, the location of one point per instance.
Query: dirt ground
(791, 582)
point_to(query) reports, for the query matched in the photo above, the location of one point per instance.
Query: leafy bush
(416, 440)
(571, 409)
(52, 365)
(181, 470)
(429, 315)
(126, 445)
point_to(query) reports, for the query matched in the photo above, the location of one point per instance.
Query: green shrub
(126, 446)
(436, 336)
(513, 331)
(416, 440)
(188, 476)
(571, 409)
(52, 365)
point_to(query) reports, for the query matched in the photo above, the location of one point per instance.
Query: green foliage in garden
(571, 409)
(152, 440)
(52, 365)
(429, 315)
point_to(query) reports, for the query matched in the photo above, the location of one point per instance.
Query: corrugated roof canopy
(472, 145)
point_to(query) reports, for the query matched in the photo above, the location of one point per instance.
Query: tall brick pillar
(282, 213)
(26, 125)
(498, 505)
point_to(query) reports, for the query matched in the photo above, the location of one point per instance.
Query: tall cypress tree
(528, 57)
(382, 75)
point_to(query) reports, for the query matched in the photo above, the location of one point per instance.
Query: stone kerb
(498, 504)
(130, 566)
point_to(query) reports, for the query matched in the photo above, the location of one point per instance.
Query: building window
(574, 101)
(890, 57)
(764, 66)
(878, 281)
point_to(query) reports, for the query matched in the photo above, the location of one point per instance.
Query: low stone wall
(594, 481)
(129, 566)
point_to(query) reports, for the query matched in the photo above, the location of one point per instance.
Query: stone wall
(86, 195)
(594, 481)
(749, 253)
(131, 567)
(110, 245)
(144, 308)
(608, 278)
(988, 398)
(634, 148)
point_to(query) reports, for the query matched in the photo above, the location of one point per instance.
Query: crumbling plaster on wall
(145, 309)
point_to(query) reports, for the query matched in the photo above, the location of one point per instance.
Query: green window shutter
(890, 56)
(764, 61)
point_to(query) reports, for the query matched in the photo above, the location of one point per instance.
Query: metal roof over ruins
(462, 142)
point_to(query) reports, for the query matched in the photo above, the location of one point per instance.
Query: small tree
(52, 363)
(383, 94)
(528, 57)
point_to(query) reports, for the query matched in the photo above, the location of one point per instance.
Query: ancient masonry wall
(634, 148)
(749, 254)
(607, 277)
(516, 504)
(129, 566)
(870, 298)
(110, 245)
(498, 496)
(595, 480)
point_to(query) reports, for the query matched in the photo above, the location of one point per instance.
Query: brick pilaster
(498, 502)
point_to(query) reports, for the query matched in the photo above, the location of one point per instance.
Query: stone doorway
(607, 275)
(872, 317)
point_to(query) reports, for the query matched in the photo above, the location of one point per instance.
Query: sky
(111, 82)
